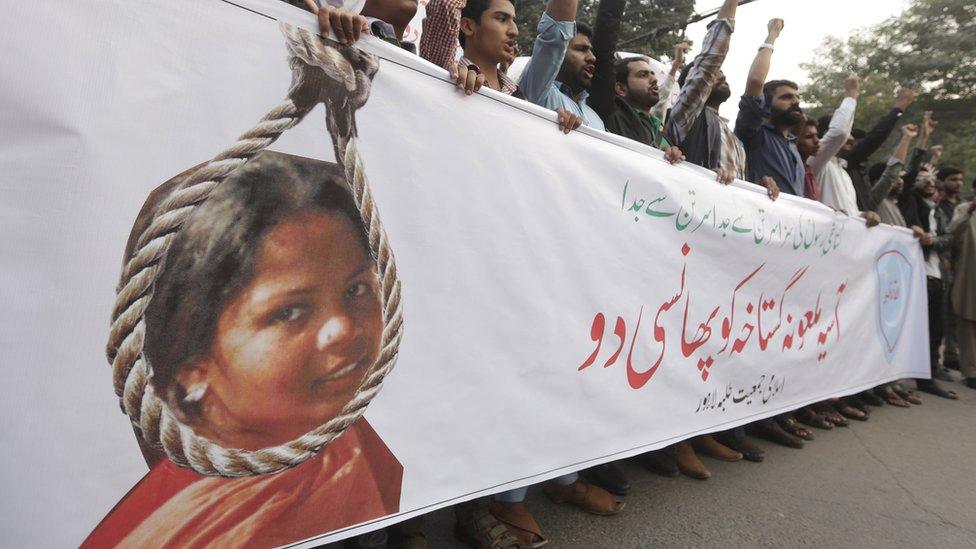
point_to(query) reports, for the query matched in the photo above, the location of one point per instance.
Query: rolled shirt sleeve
(548, 52)
(439, 41)
(701, 78)
(836, 135)
(752, 111)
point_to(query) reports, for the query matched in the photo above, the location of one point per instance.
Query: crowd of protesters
(575, 71)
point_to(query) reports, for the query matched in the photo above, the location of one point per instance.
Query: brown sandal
(850, 412)
(793, 427)
(830, 414)
(518, 523)
(907, 395)
(893, 398)
(584, 495)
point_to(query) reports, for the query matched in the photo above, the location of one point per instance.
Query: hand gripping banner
(573, 299)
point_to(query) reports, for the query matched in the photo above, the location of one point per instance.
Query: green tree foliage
(640, 18)
(930, 47)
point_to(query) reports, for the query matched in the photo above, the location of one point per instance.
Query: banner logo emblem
(894, 273)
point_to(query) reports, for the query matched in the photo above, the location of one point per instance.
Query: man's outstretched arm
(750, 108)
(864, 148)
(841, 123)
(703, 73)
(555, 30)
(606, 32)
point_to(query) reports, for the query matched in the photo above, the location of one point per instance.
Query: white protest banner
(549, 301)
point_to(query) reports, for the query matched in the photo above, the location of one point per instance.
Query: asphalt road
(905, 478)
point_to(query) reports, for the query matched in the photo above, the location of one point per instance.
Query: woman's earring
(195, 393)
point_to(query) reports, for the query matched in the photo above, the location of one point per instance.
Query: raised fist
(904, 97)
(852, 85)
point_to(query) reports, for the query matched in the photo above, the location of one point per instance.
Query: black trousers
(936, 320)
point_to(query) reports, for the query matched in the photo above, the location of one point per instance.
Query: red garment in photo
(353, 480)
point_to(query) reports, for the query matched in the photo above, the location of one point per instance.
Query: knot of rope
(321, 73)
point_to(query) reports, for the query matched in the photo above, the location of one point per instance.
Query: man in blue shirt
(767, 112)
(561, 68)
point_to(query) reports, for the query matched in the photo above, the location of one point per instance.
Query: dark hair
(823, 123)
(473, 10)
(810, 121)
(947, 172)
(858, 133)
(215, 253)
(770, 87)
(621, 68)
(584, 29)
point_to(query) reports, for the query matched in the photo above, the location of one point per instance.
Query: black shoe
(942, 374)
(661, 461)
(970, 382)
(609, 477)
(931, 387)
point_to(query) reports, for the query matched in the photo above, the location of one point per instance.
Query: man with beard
(963, 229)
(949, 181)
(917, 206)
(695, 124)
(624, 92)
(767, 113)
(559, 73)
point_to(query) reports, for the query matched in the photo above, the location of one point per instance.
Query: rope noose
(320, 74)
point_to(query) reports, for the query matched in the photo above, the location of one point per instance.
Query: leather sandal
(770, 430)
(518, 523)
(907, 395)
(708, 446)
(854, 401)
(590, 498)
(477, 527)
(793, 427)
(831, 414)
(807, 416)
(891, 397)
(850, 412)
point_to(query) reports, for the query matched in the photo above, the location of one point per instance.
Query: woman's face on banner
(292, 346)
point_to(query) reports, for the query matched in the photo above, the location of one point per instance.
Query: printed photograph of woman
(262, 324)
